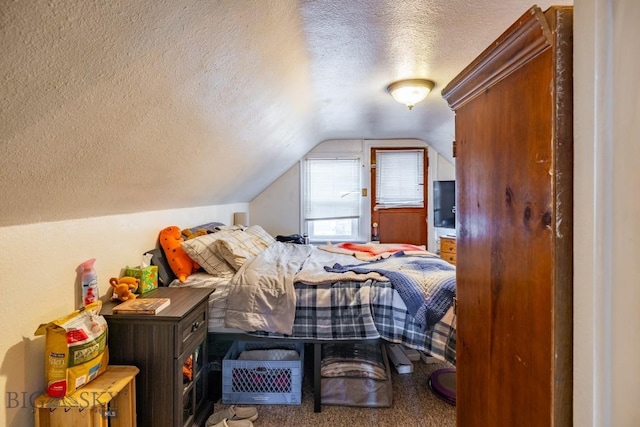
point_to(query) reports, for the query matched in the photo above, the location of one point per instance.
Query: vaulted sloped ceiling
(120, 106)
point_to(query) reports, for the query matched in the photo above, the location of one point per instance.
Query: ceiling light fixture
(411, 91)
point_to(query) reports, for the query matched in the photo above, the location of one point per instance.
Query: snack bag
(75, 349)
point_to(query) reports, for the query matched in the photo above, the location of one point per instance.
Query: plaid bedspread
(427, 285)
(367, 310)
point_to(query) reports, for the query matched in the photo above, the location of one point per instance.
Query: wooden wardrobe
(514, 160)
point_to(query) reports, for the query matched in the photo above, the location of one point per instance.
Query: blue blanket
(426, 285)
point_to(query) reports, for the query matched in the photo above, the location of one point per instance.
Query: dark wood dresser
(160, 345)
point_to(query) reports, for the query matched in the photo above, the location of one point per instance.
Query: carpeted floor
(414, 405)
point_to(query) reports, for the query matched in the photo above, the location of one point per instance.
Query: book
(142, 306)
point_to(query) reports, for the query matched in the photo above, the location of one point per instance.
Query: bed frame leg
(317, 391)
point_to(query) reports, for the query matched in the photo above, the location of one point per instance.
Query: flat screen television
(444, 204)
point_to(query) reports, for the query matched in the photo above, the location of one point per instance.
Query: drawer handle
(195, 326)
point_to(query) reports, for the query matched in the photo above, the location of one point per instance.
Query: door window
(399, 178)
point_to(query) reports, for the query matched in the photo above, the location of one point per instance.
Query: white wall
(606, 212)
(277, 209)
(38, 284)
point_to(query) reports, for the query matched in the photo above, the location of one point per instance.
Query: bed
(265, 288)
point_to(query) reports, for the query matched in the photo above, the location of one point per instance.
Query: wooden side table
(448, 249)
(107, 401)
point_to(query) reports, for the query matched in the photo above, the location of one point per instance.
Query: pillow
(201, 250)
(165, 274)
(237, 246)
(231, 228)
(258, 232)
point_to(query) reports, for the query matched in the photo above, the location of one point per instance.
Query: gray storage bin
(265, 382)
(358, 391)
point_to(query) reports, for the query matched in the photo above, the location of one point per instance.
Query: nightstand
(448, 249)
(160, 345)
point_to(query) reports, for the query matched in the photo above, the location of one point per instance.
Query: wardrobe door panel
(513, 170)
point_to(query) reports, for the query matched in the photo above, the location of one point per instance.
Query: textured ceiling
(127, 106)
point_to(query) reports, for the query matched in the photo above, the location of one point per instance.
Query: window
(400, 178)
(332, 204)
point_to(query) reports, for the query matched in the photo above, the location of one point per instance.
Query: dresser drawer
(192, 329)
(448, 249)
(447, 245)
(450, 258)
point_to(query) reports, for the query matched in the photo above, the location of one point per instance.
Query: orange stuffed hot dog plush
(178, 259)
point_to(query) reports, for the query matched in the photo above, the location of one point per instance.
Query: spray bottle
(89, 280)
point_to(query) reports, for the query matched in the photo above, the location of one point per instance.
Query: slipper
(237, 423)
(233, 413)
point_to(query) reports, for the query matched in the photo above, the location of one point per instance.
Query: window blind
(332, 189)
(399, 178)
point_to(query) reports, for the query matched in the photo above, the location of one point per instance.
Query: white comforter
(263, 286)
(262, 296)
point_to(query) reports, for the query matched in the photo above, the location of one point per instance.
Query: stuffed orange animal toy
(124, 287)
(179, 261)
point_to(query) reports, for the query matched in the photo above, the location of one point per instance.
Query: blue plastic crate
(262, 382)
